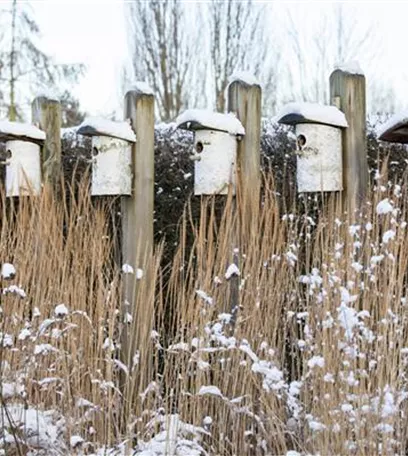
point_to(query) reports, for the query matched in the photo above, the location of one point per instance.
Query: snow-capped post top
(142, 88)
(352, 67)
(201, 119)
(298, 113)
(20, 131)
(395, 129)
(97, 126)
(245, 77)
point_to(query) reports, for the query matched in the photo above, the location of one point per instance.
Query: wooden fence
(245, 101)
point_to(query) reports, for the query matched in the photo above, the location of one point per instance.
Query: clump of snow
(245, 77)
(14, 289)
(10, 129)
(44, 349)
(142, 87)
(352, 67)
(197, 119)
(210, 390)
(384, 207)
(8, 271)
(207, 420)
(42, 430)
(176, 438)
(315, 361)
(294, 113)
(387, 236)
(127, 269)
(76, 441)
(139, 273)
(98, 126)
(11, 390)
(232, 271)
(204, 296)
(49, 93)
(61, 310)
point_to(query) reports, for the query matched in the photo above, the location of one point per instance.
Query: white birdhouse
(22, 158)
(318, 145)
(395, 130)
(215, 150)
(111, 155)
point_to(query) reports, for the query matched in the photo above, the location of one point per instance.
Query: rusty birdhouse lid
(296, 113)
(202, 119)
(98, 126)
(20, 131)
(395, 130)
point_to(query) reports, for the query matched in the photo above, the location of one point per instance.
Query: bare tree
(239, 42)
(162, 51)
(316, 47)
(25, 67)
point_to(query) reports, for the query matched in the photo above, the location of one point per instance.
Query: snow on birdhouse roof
(352, 67)
(244, 76)
(295, 113)
(17, 130)
(395, 129)
(98, 126)
(201, 119)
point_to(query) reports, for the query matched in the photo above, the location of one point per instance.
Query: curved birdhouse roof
(395, 129)
(296, 113)
(20, 131)
(201, 119)
(98, 126)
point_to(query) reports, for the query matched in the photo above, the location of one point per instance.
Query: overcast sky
(93, 32)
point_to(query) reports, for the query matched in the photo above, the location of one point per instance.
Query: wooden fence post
(137, 216)
(245, 101)
(348, 90)
(46, 115)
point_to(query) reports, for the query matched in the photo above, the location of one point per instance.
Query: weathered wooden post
(348, 92)
(245, 101)
(46, 115)
(137, 217)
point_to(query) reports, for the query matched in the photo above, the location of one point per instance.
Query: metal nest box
(215, 149)
(112, 155)
(22, 157)
(318, 145)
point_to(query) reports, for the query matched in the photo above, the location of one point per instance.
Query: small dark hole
(95, 151)
(8, 154)
(199, 147)
(301, 141)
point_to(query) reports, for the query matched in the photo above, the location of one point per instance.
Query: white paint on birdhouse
(318, 145)
(23, 168)
(111, 166)
(214, 164)
(215, 150)
(319, 158)
(22, 157)
(111, 155)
